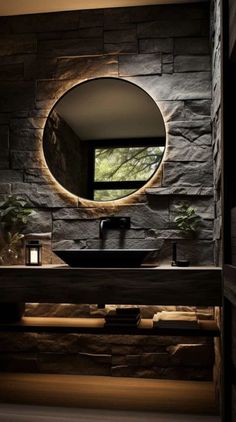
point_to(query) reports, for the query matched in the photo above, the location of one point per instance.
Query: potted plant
(14, 214)
(187, 221)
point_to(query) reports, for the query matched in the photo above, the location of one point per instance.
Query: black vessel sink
(105, 258)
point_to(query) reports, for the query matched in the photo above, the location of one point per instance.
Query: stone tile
(39, 222)
(192, 355)
(187, 174)
(156, 45)
(43, 196)
(89, 67)
(140, 64)
(91, 18)
(39, 67)
(181, 190)
(52, 90)
(168, 68)
(17, 44)
(121, 47)
(4, 137)
(176, 12)
(167, 58)
(172, 110)
(16, 95)
(192, 63)
(27, 123)
(4, 118)
(117, 18)
(120, 36)
(80, 363)
(149, 359)
(43, 22)
(4, 160)
(19, 362)
(41, 176)
(11, 72)
(203, 374)
(71, 47)
(179, 86)
(5, 188)
(197, 251)
(191, 131)
(20, 342)
(75, 230)
(200, 45)
(183, 154)
(204, 208)
(26, 159)
(26, 140)
(147, 243)
(172, 28)
(94, 32)
(200, 108)
(81, 213)
(177, 235)
(11, 176)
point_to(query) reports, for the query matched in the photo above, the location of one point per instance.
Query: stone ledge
(181, 190)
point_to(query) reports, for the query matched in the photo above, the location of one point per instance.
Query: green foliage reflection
(126, 164)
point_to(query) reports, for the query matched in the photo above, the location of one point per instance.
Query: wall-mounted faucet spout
(113, 223)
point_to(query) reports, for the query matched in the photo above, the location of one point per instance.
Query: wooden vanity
(164, 285)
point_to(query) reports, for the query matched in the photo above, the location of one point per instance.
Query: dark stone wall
(166, 51)
(43, 56)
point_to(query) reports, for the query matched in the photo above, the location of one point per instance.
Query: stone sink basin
(106, 258)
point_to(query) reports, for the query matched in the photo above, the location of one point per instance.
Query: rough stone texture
(139, 64)
(121, 47)
(17, 44)
(16, 95)
(192, 63)
(26, 139)
(196, 153)
(164, 12)
(70, 47)
(42, 56)
(163, 373)
(120, 36)
(78, 363)
(26, 159)
(191, 174)
(172, 28)
(92, 67)
(156, 45)
(193, 46)
(179, 86)
(191, 355)
(216, 114)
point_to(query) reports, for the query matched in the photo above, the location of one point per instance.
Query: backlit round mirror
(104, 139)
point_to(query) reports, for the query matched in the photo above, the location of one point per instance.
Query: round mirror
(104, 139)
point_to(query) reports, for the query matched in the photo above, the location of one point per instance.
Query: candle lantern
(33, 252)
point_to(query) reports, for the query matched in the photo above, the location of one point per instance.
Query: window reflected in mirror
(104, 139)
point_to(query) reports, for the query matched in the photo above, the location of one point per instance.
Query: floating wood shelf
(164, 285)
(96, 326)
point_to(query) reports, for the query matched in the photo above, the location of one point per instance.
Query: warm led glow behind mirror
(104, 139)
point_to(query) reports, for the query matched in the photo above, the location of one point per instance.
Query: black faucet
(113, 223)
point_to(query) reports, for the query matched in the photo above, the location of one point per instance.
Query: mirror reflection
(104, 139)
